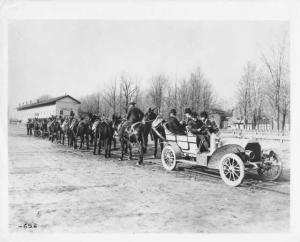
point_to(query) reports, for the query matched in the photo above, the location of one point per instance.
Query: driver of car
(207, 128)
(193, 124)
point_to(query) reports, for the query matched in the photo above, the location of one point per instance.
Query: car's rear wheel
(168, 158)
(232, 169)
(271, 168)
(37, 133)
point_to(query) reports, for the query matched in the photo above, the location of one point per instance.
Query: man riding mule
(132, 131)
(133, 116)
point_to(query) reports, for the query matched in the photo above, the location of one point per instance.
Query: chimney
(30, 102)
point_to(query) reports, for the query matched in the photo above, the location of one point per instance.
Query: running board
(188, 162)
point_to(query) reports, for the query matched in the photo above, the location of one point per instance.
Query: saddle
(73, 124)
(95, 125)
(64, 124)
(50, 124)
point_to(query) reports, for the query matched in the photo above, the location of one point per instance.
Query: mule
(64, 128)
(130, 134)
(72, 132)
(104, 134)
(54, 130)
(156, 137)
(83, 132)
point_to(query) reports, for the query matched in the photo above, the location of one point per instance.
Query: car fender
(176, 148)
(217, 155)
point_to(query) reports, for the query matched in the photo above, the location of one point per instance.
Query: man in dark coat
(194, 125)
(134, 114)
(173, 124)
(211, 126)
(208, 128)
(28, 126)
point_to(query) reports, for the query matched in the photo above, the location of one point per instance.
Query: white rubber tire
(168, 158)
(232, 169)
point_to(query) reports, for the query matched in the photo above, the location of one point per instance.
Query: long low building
(62, 105)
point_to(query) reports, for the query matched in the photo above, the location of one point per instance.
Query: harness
(95, 125)
(73, 124)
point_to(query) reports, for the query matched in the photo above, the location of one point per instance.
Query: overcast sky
(78, 57)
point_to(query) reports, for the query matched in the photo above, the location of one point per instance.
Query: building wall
(66, 105)
(38, 112)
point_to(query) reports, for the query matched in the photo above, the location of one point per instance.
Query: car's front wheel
(232, 169)
(271, 168)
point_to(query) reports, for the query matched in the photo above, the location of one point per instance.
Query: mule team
(134, 129)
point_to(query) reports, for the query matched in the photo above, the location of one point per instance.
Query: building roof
(47, 102)
(220, 111)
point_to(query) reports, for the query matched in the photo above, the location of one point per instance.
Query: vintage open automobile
(232, 157)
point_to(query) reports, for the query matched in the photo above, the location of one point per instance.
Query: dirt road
(62, 190)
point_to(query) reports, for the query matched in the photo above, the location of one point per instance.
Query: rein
(158, 134)
(143, 122)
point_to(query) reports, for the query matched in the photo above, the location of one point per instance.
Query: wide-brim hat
(173, 110)
(204, 114)
(188, 110)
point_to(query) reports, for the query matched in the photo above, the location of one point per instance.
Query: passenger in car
(207, 128)
(193, 124)
(173, 124)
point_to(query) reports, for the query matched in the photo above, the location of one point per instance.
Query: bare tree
(183, 97)
(111, 96)
(128, 90)
(200, 91)
(276, 65)
(285, 102)
(156, 92)
(90, 103)
(245, 92)
(44, 97)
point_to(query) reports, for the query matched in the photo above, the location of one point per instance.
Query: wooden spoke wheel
(37, 133)
(232, 169)
(168, 158)
(271, 168)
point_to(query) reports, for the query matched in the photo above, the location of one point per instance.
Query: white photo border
(157, 10)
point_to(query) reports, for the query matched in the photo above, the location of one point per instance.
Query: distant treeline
(196, 92)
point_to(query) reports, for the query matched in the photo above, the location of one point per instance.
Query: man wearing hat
(211, 126)
(173, 124)
(134, 114)
(208, 128)
(29, 127)
(193, 125)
